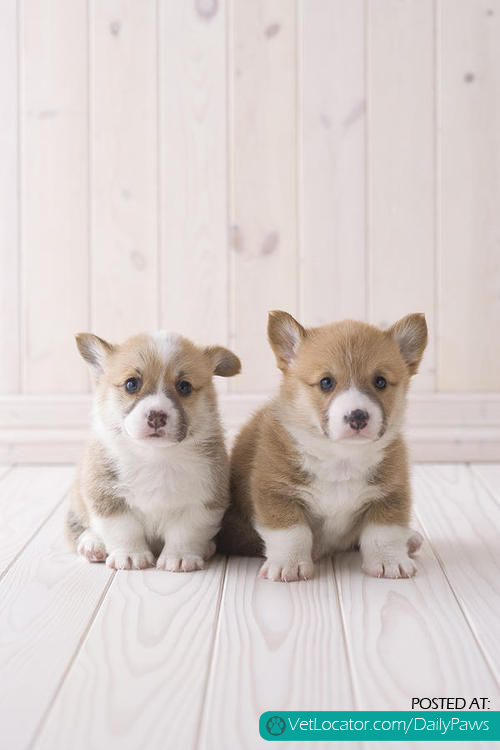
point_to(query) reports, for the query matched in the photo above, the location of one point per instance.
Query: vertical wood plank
(409, 638)
(54, 186)
(277, 647)
(401, 200)
(469, 153)
(139, 680)
(332, 160)
(455, 505)
(48, 597)
(124, 166)
(263, 205)
(193, 169)
(9, 199)
(28, 494)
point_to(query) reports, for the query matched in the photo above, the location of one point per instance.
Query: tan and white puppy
(154, 477)
(323, 466)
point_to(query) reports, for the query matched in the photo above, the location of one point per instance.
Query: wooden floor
(153, 660)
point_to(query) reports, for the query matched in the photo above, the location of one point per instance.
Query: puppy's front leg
(188, 542)
(123, 535)
(288, 553)
(387, 543)
(288, 539)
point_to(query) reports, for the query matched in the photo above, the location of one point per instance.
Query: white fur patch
(167, 344)
(122, 531)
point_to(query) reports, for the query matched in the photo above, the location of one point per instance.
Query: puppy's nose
(157, 419)
(357, 419)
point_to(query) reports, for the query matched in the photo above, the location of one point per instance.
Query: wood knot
(138, 260)
(270, 243)
(207, 9)
(272, 30)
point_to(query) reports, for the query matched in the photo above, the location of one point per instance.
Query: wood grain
(273, 644)
(139, 679)
(263, 200)
(331, 113)
(10, 372)
(124, 158)
(469, 153)
(193, 169)
(409, 638)
(48, 598)
(489, 474)
(54, 187)
(28, 494)
(150, 659)
(461, 519)
(401, 166)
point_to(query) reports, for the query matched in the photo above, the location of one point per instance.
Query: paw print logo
(275, 725)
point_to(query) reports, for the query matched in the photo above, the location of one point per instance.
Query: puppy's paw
(122, 559)
(389, 566)
(180, 564)
(276, 570)
(91, 547)
(414, 542)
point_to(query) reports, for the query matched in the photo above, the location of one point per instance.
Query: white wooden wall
(191, 164)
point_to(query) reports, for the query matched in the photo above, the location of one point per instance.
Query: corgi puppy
(154, 478)
(323, 466)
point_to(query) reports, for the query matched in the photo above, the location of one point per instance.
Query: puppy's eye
(380, 382)
(132, 385)
(184, 387)
(327, 384)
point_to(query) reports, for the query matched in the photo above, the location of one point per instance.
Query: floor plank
(47, 600)
(4, 468)
(139, 680)
(92, 659)
(408, 638)
(28, 494)
(278, 647)
(462, 519)
(490, 476)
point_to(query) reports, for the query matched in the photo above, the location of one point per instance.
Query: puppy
(154, 477)
(323, 466)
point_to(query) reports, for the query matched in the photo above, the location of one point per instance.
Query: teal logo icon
(275, 725)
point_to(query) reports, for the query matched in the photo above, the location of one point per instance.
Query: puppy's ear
(285, 335)
(93, 350)
(410, 334)
(223, 361)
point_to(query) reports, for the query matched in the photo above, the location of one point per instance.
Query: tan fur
(269, 484)
(94, 490)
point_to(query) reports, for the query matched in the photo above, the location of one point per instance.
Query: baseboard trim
(441, 427)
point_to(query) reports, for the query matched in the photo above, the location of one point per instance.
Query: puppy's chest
(335, 496)
(162, 488)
